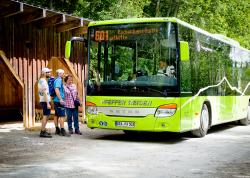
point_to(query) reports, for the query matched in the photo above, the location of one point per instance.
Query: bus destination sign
(123, 34)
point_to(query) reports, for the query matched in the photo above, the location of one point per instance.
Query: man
(165, 69)
(59, 101)
(44, 99)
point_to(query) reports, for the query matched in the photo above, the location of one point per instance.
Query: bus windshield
(133, 60)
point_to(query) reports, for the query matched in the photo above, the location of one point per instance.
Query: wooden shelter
(32, 38)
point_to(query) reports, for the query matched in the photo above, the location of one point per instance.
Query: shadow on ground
(160, 137)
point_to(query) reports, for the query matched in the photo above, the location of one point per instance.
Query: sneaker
(45, 134)
(57, 131)
(71, 131)
(64, 133)
(78, 132)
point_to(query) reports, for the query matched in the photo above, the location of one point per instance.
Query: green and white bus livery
(204, 81)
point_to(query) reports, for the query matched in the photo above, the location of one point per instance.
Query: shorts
(59, 109)
(46, 111)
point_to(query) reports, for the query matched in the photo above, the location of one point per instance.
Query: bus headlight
(166, 110)
(91, 108)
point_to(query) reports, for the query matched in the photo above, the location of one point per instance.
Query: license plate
(124, 124)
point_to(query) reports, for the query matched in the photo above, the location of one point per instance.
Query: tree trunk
(157, 13)
(177, 4)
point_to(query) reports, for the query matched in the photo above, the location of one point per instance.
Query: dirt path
(224, 152)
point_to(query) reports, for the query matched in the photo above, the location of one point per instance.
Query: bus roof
(219, 37)
(131, 20)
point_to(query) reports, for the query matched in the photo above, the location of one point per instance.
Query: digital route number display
(123, 34)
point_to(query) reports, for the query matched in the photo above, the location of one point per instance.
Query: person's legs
(46, 114)
(61, 118)
(61, 122)
(75, 117)
(44, 122)
(56, 119)
(69, 119)
(56, 125)
(76, 121)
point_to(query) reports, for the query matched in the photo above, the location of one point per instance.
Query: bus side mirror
(184, 51)
(68, 45)
(67, 49)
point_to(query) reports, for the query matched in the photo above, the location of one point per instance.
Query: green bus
(164, 75)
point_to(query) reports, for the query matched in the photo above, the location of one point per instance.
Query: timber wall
(29, 48)
(11, 92)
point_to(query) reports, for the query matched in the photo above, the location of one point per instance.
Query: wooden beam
(52, 21)
(33, 16)
(6, 3)
(70, 25)
(12, 10)
(80, 31)
(7, 63)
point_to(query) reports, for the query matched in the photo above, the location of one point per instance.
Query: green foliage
(67, 6)
(162, 8)
(110, 9)
(228, 17)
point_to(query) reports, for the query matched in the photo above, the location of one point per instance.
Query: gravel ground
(224, 152)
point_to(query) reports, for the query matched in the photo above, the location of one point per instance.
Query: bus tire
(246, 121)
(204, 123)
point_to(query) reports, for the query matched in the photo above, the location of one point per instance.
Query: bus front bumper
(148, 123)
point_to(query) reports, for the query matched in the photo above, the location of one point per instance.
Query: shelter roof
(42, 17)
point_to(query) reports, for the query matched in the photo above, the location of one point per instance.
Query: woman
(70, 96)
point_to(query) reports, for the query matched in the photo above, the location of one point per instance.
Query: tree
(162, 8)
(67, 6)
(230, 18)
(110, 9)
(227, 17)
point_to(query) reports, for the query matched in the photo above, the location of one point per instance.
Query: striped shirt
(70, 95)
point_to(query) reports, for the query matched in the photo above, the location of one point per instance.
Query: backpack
(52, 91)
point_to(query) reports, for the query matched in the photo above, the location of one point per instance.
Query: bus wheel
(204, 123)
(246, 121)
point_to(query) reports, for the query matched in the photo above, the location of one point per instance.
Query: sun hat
(60, 71)
(45, 70)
